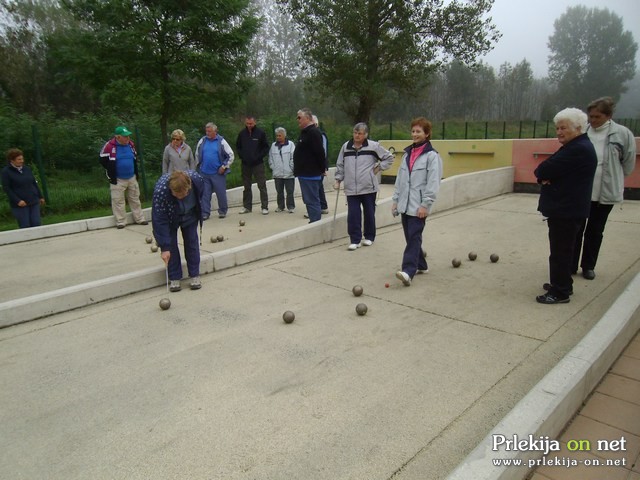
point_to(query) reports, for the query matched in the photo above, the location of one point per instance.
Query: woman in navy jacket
(22, 189)
(178, 202)
(566, 179)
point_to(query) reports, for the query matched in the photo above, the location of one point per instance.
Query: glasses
(299, 118)
(176, 138)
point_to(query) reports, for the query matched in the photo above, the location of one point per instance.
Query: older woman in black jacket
(22, 189)
(565, 198)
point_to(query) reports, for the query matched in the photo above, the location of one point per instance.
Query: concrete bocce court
(99, 383)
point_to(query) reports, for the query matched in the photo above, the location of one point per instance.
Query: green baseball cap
(122, 130)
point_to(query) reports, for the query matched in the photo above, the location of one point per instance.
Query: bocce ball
(165, 303)
(361, 309)
(288, 316)
(220, 238)
(154, 248)
(357, 291)
(148, 239)
(473, 256)
(241, 223)
(494, 257)
(214, 239)
(456, 262)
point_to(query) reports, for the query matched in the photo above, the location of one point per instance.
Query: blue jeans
(412, 259)
(191, 252)
(217, 184)
(28, 216)
(354, 216)
(310, 190)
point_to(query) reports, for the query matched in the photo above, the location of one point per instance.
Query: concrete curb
(454, 191)
(551, 404)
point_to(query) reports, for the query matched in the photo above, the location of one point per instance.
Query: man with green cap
(120, 161)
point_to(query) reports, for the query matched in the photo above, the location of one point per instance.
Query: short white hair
(576, 117)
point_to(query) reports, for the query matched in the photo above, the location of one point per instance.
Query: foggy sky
(526, 26)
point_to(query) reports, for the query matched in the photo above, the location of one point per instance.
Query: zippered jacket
(355, 168)
(618, 161)
(418, 187)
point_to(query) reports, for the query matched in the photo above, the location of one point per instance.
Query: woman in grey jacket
(281, 163)
(359, 161)
(417, 184)
(177, 154)
(616, 150)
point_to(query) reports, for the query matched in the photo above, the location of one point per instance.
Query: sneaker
(175, 286)
(354, 246)
(265, 211)
(292, 211)
(222, 215)
(422, 271)
(549, 299)
(120, 226)
(324, 211)
(404, 278)
(588, 274)
(143, 222)
(367, 243)
(306, 216)
(205, 218)
(244, 210)
(547, 286)
(195, 283)
(278, 210)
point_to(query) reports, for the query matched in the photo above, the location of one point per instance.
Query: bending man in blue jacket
(178, 202)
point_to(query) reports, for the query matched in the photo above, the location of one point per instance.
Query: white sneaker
(306, 215)
(265, 211)
(423, 271)
(292, 211)
(195, 283)
(174, 286)
(353, 246)
(324, 211)
(404, 278)
(367, 243)
(243, 211)
(278, 210)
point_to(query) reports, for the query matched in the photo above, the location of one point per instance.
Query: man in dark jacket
(178, 200)
(565, 199)
(309, 163)
(252, 147)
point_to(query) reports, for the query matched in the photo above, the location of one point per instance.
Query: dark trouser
(323, 197)
(191, 252)
(28, 216)
(354, 216)
(310, 190)
(592, 228)
(412, 259)
(281, 185)
(248, 172)
(217, 184)
(562, 239)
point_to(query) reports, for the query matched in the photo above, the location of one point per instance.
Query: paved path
(218, 387)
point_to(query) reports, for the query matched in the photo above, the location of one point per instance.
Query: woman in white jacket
(281, 163)
(616, 150)
(417, 184)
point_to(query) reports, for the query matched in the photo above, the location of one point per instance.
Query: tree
(163, 57)
(357, 50)
(275, 57)
(591, 56)
(514, 82)
(25, 80)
